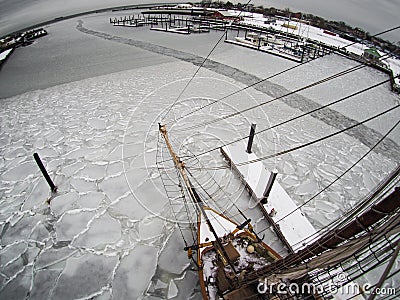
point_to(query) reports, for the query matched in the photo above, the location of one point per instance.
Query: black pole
(268, 188)
(251, 137)
(44, 172)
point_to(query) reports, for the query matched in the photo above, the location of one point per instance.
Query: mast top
(162, 128)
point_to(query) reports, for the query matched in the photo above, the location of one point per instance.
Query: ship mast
(195, 196)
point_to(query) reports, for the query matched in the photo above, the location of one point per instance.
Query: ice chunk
(43, 283)
(129, 207)
(11, 253)
(97, 123)
(288, 168)
(115, 187)
(160, 285)
(72, 223)
(48, 152)
(64, 202)
(172, 290)
(21, 230)
(40, 232)
(91, 199)
(188, 286)
(115, 168)
(19, 287)
(135, 272)
(14, 153)
(307, 187)
(151, 227)
(93, 172)
(369, 181)
(38, 196)
(103, 230)
(83, 185)
(115, 154)
(97, 155)
(39, 143)
(55, 163)
(78, 153)
(52, 256)
(151, 197)
(172, 258)
(21, 171)
(73, 168)
(84, 275)
(55, 136)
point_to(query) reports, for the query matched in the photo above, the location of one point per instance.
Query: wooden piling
(251, 137)
(44, 172)
(268, 188)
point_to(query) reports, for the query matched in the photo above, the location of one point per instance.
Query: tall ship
(233, 262)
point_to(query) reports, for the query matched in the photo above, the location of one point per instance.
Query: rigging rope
(301, 261)
(264, 79)
(319, 82)
(318, 140)
(306, 144)
(344, 173)
(337, 75)
(326, 79)
(284, 122)
(389, 181)
(295, 118)
(385, 272)
(212, 199)
(382, 113)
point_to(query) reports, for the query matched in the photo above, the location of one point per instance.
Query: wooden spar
(194, 195)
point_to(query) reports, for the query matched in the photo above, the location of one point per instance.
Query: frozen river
(88, 97)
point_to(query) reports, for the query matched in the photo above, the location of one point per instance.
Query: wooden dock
(289, 223)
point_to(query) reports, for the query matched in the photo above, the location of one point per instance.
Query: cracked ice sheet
(84, 275)
(89, 160)
(132, 277)
(93, 208)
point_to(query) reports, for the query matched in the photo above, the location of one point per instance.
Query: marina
(117, 222)
(262, 34)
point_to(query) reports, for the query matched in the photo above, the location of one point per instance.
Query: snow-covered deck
(179, 30)
(266, 49)
(295, 227)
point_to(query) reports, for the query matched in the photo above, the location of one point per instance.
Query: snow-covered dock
(179, 30)
(5, 55)
(267, 49)
(280, 209)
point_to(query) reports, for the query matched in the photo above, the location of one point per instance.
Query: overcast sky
(372, 15)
